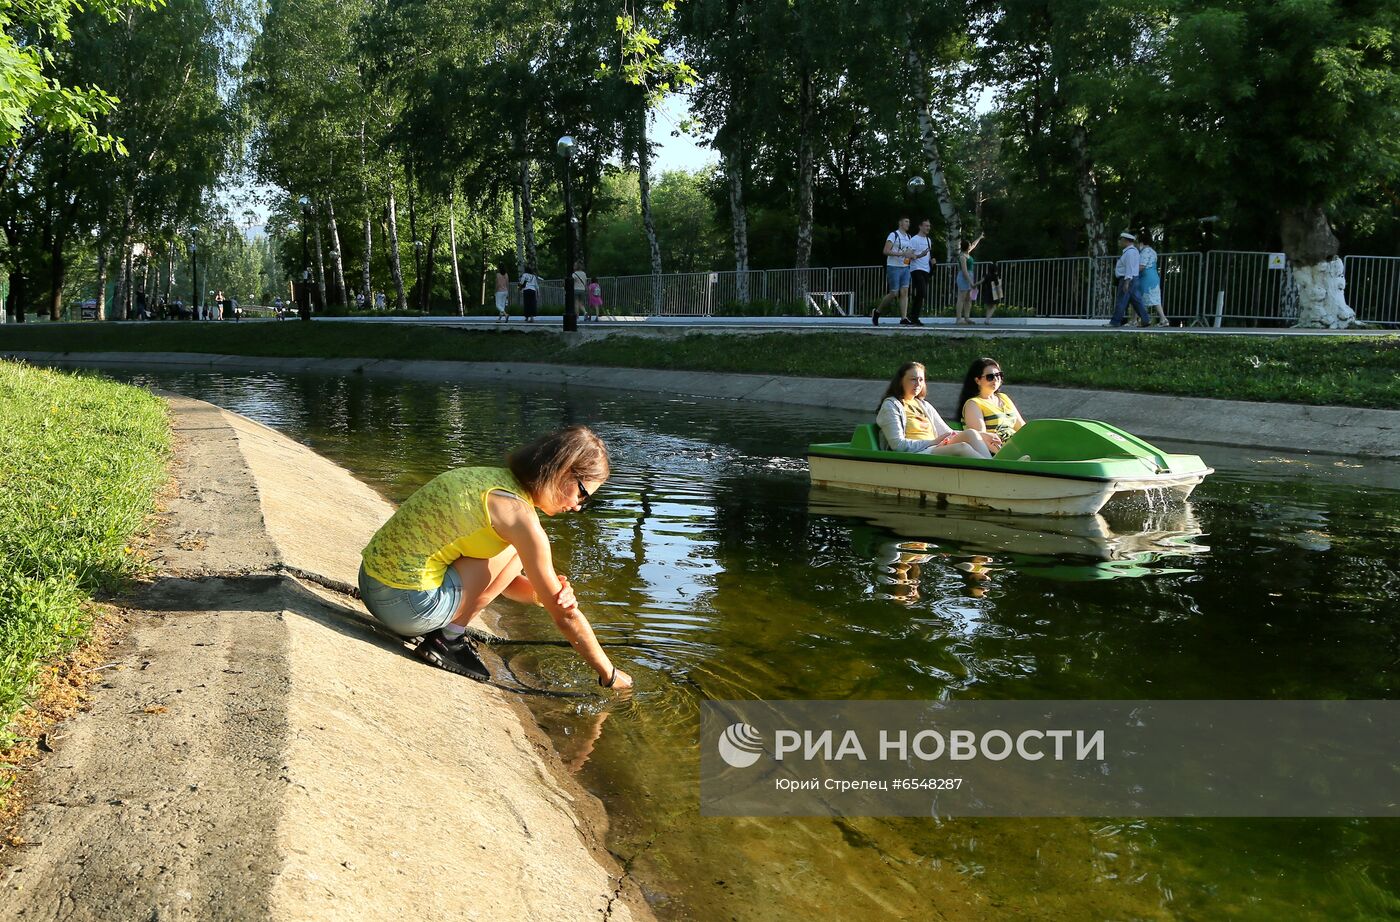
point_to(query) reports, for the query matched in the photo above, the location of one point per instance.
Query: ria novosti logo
(740, 745)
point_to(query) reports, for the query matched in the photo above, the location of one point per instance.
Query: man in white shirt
(919, 271)
(899, 253)
(1125, 272)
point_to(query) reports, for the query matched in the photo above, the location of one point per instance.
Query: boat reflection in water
(1135, 536)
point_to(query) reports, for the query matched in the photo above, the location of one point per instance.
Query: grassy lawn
(82, 461)
(1360, 371)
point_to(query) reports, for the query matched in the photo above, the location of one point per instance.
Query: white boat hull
(1022, 493)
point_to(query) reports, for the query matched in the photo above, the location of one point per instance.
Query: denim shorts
(411, 612)
(898, 277)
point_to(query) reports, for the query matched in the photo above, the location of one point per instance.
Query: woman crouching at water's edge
(472, 534)
(909, 422)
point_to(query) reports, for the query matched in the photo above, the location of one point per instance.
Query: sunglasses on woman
(993, 376)
(583, 494)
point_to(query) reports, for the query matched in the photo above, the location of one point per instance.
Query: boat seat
(867, 437)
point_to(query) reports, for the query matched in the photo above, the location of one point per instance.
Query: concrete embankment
(257, 751)
(1347, 431)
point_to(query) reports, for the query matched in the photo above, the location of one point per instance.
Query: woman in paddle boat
(472, 534)
(910, 423)
(985, 408)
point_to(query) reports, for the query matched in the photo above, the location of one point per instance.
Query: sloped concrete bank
(259, 752)
(1347, 431)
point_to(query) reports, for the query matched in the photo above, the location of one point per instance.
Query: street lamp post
(194, 280)
(305, 305)
(565, 149)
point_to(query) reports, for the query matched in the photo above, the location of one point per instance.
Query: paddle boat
(1049, 467)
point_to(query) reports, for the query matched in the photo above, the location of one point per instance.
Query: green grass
(82, 460)
(1354, 371)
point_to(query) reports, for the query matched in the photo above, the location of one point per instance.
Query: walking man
(919, 272)
(899, 253)
(1125, 274)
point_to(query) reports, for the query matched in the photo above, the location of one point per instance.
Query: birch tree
(1290, 112)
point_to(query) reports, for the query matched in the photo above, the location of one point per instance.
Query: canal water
(726, 576)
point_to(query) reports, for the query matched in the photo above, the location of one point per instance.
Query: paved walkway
(1008, 326)
(259, 752)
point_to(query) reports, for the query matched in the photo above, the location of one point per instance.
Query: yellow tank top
(1000, 416)
(917, 425)
(445, 519)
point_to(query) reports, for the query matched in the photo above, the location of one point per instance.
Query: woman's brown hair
(896, 388)
(548, 462)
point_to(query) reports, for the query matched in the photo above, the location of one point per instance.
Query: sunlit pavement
(997, 327)
(680, 326)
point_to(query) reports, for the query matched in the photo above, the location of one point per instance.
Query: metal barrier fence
(1047, 287)
(1248, 286)
(1219, 288)
(1373, 288)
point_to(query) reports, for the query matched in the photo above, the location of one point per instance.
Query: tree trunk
(452, 231)
(805, 177)
(417, 289)
(519, 232)
(123, 280)
(738, 217)
(369, 237)
(58, 273)
(124, 285)
(104, 256)
(1091, 210)
(145, 288)
(366, 285)
(1090, 205)
(337, 256)
(527, 217)
(430, 265)
(128, 294)
(933, 157)
(18, 284)
(1311, 248)
(644, 182)
(395, 269)
(320, 261)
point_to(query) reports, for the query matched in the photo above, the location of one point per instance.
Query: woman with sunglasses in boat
(985, 408)
(473, 534)
(910, 423)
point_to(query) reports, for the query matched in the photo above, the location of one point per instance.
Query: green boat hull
(1049, 467)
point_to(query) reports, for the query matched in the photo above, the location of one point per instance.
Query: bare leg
(483, 581)
(973, 439)
(904, 304)
(956, 450)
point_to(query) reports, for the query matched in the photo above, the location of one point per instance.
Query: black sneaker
(456, 656)
(905, 322)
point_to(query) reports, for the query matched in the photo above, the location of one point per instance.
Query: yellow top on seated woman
(999, 413)
(917, 425)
